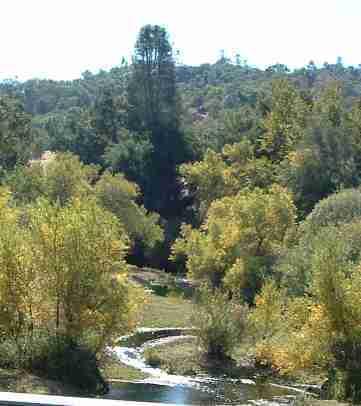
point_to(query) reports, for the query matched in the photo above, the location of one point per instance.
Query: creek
(162, 387)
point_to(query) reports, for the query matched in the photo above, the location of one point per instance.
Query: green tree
(16, 134)
(340, 213)
(130, 155)
(220, 323)
(327, 159)
(153, 108)
(119, 196)
(61, 177)
(66, 177)
(152, 89)
(284, 125)
(74, 131)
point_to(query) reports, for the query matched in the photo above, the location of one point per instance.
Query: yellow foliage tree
(62, 271)
(61, 177)
(290, 334)
(119, 196)
(226, 173)
(238, 238)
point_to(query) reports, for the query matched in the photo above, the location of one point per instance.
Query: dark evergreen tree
(154, 108)
(16, 133)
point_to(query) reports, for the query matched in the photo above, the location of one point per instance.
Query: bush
(295, 267)
(338, 214)
(152, 358)
(220, 323)
(62, 358)
(323, 329)
(344, 378)
(339, 208)
(10, 356)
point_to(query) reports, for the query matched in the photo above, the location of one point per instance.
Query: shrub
(265, 320)
(64, 359)
(338, 214)
(290, 333)
(300, 341)
(339, 208)
(295, 267)
(152, 358)
(10, 356)
(220, 323)
(337, 286)
(323, 329)
(344, 379)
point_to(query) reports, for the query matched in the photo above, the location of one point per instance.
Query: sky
(60, 39)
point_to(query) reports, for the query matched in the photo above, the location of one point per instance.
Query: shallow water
(215, 393)
(177, 389)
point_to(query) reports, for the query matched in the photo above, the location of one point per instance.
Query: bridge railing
(25, 399)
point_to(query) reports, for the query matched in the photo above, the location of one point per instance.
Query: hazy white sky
(59, 39)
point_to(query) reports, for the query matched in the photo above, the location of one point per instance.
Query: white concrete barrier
(26, 399)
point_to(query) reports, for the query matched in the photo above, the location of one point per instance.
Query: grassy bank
(166, 306)
(167, 311)
(185, 358)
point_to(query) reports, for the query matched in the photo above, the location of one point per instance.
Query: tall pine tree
(154, 109)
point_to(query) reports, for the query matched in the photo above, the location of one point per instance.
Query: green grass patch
(166, 305)
(185, 358)
(180, 358)
(168, 311)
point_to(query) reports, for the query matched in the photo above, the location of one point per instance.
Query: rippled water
(167, 388)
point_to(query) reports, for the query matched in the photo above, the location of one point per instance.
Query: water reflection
(215, 393)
